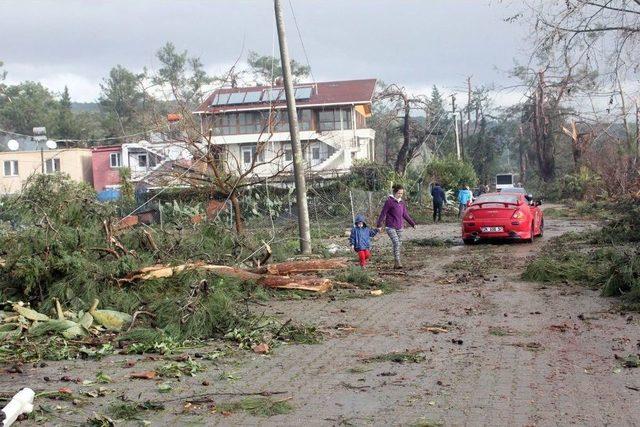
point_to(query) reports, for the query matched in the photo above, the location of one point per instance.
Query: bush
(451, 173)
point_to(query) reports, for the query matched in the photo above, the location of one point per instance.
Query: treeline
(129, 102)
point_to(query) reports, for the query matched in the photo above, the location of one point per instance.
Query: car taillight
(518, 215)
(469, 216)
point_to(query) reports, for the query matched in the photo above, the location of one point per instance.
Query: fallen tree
(276, 276)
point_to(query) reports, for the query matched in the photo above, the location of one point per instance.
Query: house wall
(76, 162)
(103, 174)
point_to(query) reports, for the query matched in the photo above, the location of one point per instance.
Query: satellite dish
(51, 144)
(13, 145)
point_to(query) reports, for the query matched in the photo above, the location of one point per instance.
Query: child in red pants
(360, 239)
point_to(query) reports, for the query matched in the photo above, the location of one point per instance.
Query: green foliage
(121, 101)
(127, 192)
(257, 406)
(267, 69)
(27, 105)
(370, 176)
(450, 172)
(401, 357)
(183, 75)
(608, 259)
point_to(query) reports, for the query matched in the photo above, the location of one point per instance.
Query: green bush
(451, 173)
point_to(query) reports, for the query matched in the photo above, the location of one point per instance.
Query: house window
(338, 119)
(288, 155)
(315, 153)
(248, 154)
(115, 160)
(52, 166)
(143, 160)
(10, 168)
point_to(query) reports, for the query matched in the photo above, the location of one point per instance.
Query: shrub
(451, 173)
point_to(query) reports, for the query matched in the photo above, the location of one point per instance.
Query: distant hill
(85, 107)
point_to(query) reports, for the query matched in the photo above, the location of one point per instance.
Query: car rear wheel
(532, 234)
(468, 241)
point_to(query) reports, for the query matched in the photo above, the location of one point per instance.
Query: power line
(304, 49)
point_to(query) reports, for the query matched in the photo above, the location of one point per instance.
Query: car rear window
(499, 198)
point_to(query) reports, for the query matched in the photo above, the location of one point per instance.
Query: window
(288, 155)
(143, 160)
(250, 122)
(10, 168)
(339, 119)
(248, 154)
(52, 166)
(315, 153)
(115, 160)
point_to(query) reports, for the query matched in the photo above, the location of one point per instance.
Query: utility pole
(296, 148)
(455, 124)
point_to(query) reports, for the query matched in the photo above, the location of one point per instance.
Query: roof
(117, 147)
(322, 93)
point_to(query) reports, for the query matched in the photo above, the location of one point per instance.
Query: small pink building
(106, 162)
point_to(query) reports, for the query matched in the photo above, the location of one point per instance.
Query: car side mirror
(529, 197)
(538, 202)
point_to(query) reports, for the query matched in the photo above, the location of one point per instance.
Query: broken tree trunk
(267, 280)
(301, 267)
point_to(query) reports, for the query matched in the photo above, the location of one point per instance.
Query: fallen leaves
(145, 375)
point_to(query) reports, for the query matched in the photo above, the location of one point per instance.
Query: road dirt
(514, 353)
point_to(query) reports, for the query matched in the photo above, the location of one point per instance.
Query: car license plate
(492, 229)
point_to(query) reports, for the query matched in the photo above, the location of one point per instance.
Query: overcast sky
(414, 43)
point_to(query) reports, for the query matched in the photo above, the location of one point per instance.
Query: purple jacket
(393, 212)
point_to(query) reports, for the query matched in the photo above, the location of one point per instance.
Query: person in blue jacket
(360, 239)
(465, 196)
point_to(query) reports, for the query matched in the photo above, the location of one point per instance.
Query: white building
(251, 128)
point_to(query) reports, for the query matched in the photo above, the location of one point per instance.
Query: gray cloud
(415, 43)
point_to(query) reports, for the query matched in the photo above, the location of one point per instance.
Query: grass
(607, 259)
(257, 406)
(415, 356)
(499, 331)
(434, 242)
(364, 279)
(132, 410)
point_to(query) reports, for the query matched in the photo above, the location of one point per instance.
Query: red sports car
(502, 216)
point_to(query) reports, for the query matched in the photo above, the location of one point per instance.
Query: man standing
(464, 197)
(439, 199)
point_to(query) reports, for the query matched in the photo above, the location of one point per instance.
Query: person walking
(393, 214)
(360, 239)
(439, 199)
(465, 196)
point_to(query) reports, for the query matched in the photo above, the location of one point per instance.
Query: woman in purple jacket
(393, 215)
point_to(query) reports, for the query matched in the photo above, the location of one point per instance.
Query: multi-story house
(31, 158)
(251, 125)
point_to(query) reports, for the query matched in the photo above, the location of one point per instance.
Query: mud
(514, 354)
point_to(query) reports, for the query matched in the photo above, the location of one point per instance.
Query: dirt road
(514, 354)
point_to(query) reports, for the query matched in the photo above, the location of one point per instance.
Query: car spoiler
(506, 204)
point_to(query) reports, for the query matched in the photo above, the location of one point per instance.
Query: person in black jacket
(439, 199)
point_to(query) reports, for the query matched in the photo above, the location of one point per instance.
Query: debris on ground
(262, 348)
(68, 324)
(407, 356)
(257, 406)
(631, 361)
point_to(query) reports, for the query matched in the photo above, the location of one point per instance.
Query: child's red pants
(363, 256)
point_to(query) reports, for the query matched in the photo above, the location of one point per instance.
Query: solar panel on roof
(303, 93)
(252, 97)
(220, 99)
(272, 95)
(236, 98)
